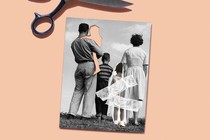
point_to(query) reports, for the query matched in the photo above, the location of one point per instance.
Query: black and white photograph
(105, 75)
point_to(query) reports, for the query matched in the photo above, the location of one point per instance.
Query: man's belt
(85, 61)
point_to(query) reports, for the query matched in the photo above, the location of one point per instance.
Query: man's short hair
(83, 27)
(106, 57)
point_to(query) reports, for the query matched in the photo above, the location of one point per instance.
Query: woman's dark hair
(83, 27)
(136, 40)
(106, 57)
(118, 68)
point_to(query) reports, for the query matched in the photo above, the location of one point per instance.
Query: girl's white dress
(115, 95)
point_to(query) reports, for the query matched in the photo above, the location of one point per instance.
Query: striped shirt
(105, 73)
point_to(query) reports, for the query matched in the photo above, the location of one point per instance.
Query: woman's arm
(145, 64)
(145, 68)
(125, 67)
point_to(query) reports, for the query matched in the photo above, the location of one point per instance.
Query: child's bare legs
(121, 114)
(122, 123)
(135, 114)
(115, 113)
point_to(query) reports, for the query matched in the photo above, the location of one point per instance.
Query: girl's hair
(136, 40)
(118, 68)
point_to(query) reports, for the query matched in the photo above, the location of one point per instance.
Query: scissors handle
(46, 18)
(39, 19)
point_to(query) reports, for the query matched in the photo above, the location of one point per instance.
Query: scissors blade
(109, 3)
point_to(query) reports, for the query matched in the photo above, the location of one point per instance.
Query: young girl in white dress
(115, 96)
(118, 115)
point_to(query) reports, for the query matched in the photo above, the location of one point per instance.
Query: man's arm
(94, 47)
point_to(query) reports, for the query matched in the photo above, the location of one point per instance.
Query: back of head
(118, 68)
(106, 57)
(83, 27)
(136, 40)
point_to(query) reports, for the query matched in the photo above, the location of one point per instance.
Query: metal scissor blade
(109, 3)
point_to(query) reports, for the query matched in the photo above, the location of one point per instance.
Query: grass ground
(100, 125)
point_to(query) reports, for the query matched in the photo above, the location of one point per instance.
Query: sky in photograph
(115, 40)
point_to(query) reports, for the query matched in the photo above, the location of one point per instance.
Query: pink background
(31, 70)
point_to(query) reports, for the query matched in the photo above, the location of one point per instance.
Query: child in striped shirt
(102, 82)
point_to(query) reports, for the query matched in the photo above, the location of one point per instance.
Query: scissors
(50, 17)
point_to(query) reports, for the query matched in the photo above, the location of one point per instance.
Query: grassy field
(99, 125)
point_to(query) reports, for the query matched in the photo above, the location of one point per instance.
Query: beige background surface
(31, 70)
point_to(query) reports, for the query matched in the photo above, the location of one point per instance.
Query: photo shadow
(39, 1)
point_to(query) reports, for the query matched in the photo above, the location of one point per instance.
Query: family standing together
(134, 63)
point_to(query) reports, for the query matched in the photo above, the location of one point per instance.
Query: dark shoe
(99, 118)
(99, 115)
(136, 124)
(85, 118)
(104, 117)
(70, 116)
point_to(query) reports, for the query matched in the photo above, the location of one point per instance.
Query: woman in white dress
(135, 62)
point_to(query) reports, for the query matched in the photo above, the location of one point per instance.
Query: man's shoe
(70, 116)
(85, 118)
(98, 115)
